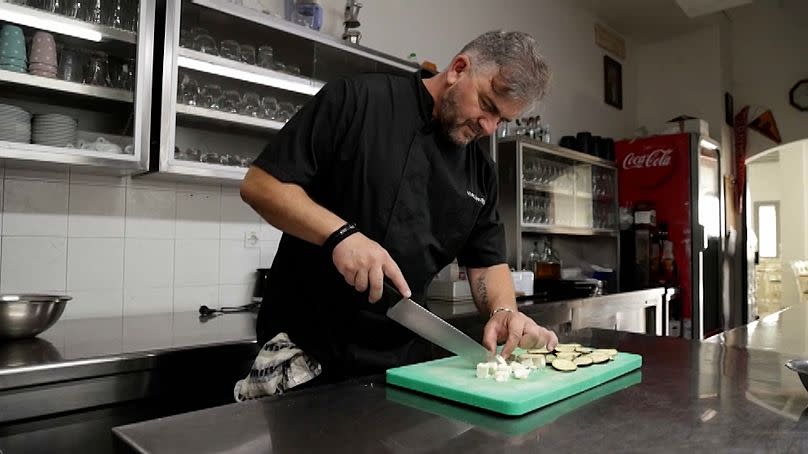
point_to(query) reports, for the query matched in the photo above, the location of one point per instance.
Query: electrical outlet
(251, 240)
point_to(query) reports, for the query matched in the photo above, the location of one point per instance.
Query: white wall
(437, 30)
(769, 45)
(764, 181)
(681, 76)
(128, 246)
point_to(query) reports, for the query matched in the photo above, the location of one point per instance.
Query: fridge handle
(698, 238)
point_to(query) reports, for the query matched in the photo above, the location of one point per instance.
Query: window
(768, 228)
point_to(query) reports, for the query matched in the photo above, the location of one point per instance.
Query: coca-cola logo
(649, 166)
(660, 157)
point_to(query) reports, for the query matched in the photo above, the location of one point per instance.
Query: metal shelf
(43, 20)
(567, 230)
(227, 118)
(29, 80)
(278, 23)
(536, 187)
(220, 66)
(206, 170)
(559, 151)
(65, 155)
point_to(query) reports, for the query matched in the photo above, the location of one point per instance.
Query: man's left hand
(516, 329)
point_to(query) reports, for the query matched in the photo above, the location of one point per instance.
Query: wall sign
(610, 41)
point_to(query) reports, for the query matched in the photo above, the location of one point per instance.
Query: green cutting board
(455, 379)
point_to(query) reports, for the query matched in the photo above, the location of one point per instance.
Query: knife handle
(390, 294)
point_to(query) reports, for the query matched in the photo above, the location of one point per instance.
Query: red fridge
(676, 177)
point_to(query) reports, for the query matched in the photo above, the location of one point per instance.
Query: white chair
(800, 269)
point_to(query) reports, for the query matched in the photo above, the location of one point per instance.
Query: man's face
(472, 106)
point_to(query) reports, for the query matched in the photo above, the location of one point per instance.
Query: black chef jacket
(367, 149)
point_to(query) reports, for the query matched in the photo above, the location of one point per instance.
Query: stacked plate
(15, 124)
(55, 130)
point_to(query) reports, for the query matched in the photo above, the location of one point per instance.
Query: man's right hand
(364, 264)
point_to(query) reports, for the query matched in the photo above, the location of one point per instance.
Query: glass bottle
(533, 257)
(548, 267)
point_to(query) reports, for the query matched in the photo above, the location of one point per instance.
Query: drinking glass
(97, 72)
(293, 69)
(69, 66)
(230, 49)
(203, 42)
(270, 107)
(248, 54)
(231, 100)
(251, 104)
(189, 92)
(94, 12)
(265, 57)
(186, 38)
(286, 111)
(211, 96)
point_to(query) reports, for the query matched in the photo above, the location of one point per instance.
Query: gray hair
(522, 68)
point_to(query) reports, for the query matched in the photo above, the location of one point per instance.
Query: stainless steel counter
(74, 349)
(785, 332)
(688, 396)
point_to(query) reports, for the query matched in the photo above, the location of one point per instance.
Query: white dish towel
(279, 366)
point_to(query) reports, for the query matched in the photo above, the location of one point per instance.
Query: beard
(459, 131)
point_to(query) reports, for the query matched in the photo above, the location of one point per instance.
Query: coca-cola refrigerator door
(709, 316)
(657, 171)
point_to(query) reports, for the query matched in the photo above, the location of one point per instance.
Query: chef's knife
(431, 327)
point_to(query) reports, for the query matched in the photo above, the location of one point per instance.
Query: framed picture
(729, 109)
(612, 82)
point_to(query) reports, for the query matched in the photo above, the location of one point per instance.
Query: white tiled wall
(128, 245)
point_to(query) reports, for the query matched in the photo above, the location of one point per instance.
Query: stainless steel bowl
(24, 316)
(800, 366)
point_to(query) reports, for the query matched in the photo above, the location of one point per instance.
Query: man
(380, 176)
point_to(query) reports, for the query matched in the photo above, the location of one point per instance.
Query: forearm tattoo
(482, 291)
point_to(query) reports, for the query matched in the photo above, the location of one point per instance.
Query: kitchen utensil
(431, 327)
(27, 315)
(800, 366)
(454, 379)
(205, 312)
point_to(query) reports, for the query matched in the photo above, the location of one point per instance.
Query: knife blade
(431, 327)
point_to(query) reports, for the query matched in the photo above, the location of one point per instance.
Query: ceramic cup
(12, 43)
(43, 49)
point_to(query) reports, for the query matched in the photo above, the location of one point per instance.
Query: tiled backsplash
(123, 245)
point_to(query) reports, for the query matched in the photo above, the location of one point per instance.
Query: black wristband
(340, 234)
